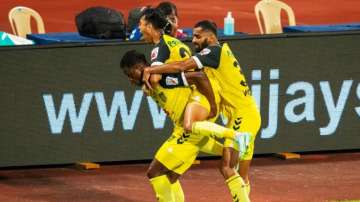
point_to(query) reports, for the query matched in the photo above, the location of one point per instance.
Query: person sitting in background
(133, 23)
(167, 8)
(170, 11)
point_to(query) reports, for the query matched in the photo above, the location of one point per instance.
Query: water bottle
(228, 25)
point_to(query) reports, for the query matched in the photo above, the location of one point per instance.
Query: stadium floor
(313, 178)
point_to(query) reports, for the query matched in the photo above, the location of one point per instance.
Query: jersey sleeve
(160, 53)
(209, 57)
(173, 80)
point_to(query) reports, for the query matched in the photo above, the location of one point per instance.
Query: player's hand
(146, 90)
(146, 78)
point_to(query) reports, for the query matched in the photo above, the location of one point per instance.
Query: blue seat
(65, 37)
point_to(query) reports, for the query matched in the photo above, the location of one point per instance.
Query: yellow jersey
(219, 62)
(173, 101)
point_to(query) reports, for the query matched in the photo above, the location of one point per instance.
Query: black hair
(157, 19)
(167, 8)
(207, 25)
(132, 58)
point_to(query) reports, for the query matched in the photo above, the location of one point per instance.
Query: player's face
(135, 74)
(146, 29)
(200, 39)
(173, 19)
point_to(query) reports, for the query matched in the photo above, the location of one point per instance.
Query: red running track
(313, 178)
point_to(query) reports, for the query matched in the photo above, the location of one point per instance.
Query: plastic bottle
(229, 25)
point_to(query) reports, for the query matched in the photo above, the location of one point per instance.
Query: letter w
(67, 106)
(128, 117)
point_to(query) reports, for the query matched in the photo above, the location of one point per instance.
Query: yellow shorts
(247, 120)
(179, 151)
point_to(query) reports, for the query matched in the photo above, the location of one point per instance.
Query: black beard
(202, 46)
(198, 48)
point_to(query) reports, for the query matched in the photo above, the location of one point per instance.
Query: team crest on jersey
(171, 81)
(154, 53)
(172, 43)
(205, 51)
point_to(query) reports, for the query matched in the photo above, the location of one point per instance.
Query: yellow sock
(237, 188)
(178, 192)
(162, 188)
(207, 128)
(211, 146)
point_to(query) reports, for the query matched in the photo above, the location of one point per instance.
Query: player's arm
(183, 79)
(154, 80)
(209, 57)
(173, 67)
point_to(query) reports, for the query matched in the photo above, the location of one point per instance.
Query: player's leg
(228, 162)
(211, 146)
(177, 155)
(176, 186)
(187, 153)
(161, 169)
(197, 110)
(234, 181)
(196, 114)
(244, 164)
(244, 167)
(202, 126)
(211, 129)
(251, 124)
(157, 174)
(207, 128)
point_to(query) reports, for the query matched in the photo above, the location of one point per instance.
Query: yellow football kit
(181, 149)
(237, 103)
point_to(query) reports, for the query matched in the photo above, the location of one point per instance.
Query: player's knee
(226, 168)
(173, 177)
(151, 173)
(226, 171)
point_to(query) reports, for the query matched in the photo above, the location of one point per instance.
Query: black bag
(101, 23)
(134, 17)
